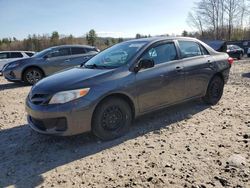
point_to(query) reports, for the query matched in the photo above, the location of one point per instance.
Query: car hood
(22, 61)
(74, 78)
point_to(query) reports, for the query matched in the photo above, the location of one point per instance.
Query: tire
(214, 91)
(32, 76)
(112, 118)
(240, 56)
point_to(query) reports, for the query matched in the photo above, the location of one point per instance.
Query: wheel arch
(123, 96)
(219, 74)
(31, 66)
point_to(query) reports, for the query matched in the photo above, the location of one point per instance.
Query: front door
(162, 84)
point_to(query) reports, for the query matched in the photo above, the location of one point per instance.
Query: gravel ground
(188, 145)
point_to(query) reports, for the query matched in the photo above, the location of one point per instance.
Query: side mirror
(144, 64)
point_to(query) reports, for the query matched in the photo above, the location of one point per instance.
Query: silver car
(47, 62)
(9, 56)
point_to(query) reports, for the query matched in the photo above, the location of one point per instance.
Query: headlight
(66, 96)
(12, 65)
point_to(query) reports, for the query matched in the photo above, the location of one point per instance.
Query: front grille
(40, 99)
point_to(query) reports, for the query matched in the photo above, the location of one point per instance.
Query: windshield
(115, 56)
(42, 53)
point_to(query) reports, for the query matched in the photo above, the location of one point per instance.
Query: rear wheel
(111, 119)
(32, 76)
(214, 91)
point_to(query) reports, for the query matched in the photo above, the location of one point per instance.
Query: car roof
(72, 45)
(156, 39)
(16, 51)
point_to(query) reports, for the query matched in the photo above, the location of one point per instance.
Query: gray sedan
(125, 81)
(47, 62)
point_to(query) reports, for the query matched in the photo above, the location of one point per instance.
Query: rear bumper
(63, 120)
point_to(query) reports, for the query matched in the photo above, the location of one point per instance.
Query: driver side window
(162, 53)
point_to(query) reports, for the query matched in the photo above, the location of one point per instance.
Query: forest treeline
(220, 19)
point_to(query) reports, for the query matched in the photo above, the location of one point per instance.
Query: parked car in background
(248, 52)
(217, 45)
(9, 56)
(235, 51)
(125, 81)
(47, 62)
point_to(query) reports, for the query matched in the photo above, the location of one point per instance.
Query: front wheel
(111, 118)
(32, 76)
(214, 91)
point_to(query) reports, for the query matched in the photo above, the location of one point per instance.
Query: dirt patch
(183, 146)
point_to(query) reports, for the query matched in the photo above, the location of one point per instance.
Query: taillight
(230, 60)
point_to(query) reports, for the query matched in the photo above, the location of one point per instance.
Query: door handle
(178, 69)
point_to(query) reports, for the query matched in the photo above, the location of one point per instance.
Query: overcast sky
(115, 18)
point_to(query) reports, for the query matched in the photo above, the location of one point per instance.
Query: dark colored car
(235, 51)
(217, 45)
(125, 81)
(51, 60)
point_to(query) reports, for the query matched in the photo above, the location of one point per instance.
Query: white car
(9, 56)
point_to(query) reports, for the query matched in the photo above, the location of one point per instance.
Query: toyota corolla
(125, 81)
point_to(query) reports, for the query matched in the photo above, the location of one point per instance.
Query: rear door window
(78, 50)
(91, 50)
(4, 55)
(16, 55)
(29, 54)
(189, 49)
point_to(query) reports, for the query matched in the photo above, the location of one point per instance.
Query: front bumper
(63, 119)
(11, 76)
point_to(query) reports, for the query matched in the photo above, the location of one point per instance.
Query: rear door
(79, 56)
(162, 84)
(198, 67)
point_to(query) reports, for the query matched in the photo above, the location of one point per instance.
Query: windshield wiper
(93, 66)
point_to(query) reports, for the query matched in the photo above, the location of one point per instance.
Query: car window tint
(16, 55)
(29, 54)
(204, 50)
(162, 53)
(91, 50)
(3, 55)
(77, 50)
(189, 49)
(59, 52)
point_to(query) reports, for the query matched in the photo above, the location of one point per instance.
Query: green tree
(91, 37)
(54, 38)
(137, 36)
(120, 40)
(107, 42)
(184, 33)
(113, 41)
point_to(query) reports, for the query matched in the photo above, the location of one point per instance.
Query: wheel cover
(112, 118)
(33, 76)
